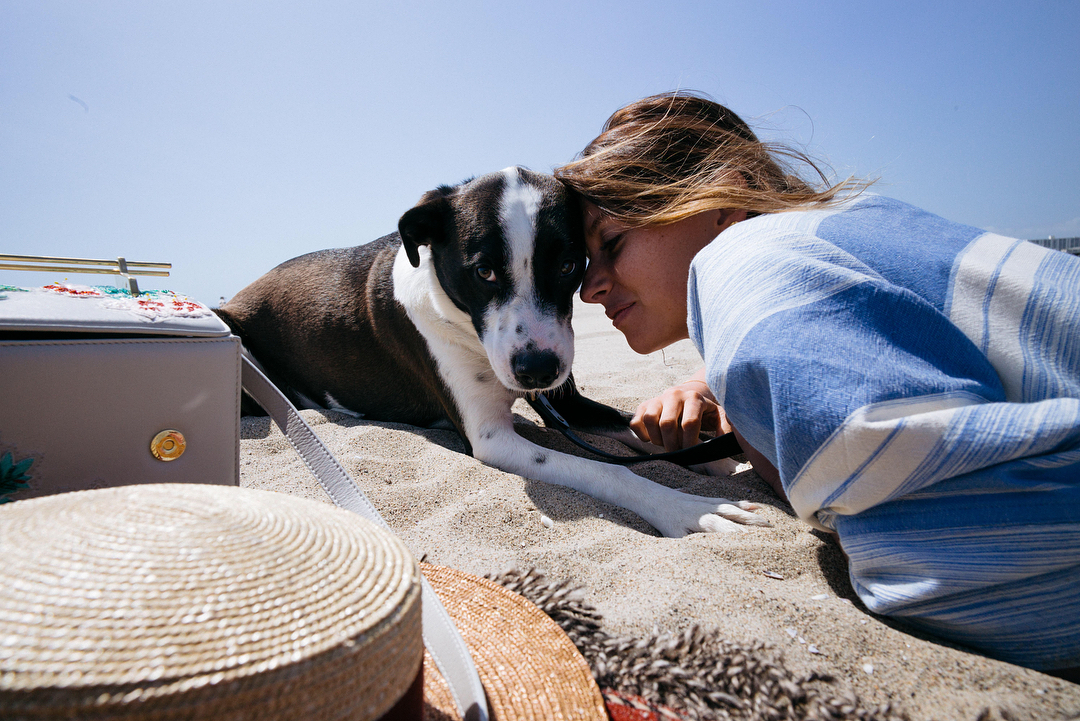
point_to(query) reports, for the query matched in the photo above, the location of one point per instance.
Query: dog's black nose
(535, 369)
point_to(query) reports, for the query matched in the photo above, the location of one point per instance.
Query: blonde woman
(908, 383)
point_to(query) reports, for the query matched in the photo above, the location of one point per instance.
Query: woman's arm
(761, 465)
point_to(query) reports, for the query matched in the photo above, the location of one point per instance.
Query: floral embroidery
(154, 305)
(159, 305)
(80, 291)
(13, 476)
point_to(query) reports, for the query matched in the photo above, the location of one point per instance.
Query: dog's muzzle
(535, 369)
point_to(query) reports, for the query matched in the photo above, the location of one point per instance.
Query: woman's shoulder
(791, 232)
(864, 212)
(869, 226)
(869, 238)
(808, 218)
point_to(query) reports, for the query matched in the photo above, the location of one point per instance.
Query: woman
(908, 383)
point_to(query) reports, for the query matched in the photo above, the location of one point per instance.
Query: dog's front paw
(697, 514)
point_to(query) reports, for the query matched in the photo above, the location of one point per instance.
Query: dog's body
(466, 310)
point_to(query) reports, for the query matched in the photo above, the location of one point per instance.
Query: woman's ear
(729, 217)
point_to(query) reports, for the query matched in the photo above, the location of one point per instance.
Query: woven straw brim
(192, 601)
(529, 667)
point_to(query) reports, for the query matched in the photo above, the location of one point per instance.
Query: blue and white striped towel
(917, 384)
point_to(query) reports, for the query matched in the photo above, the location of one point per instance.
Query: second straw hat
(215, 602)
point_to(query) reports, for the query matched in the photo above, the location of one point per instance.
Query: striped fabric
(917, 384)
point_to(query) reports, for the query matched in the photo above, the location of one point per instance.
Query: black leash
(713, 449)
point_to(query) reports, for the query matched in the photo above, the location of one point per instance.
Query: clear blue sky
(228, 137)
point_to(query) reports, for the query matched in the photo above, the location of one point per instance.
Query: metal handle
(120, 266)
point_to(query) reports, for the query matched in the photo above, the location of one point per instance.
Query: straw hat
(215, 602)
(530, 668)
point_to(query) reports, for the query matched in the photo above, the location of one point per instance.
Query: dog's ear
(424, 223)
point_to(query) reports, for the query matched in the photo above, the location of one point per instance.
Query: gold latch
(168, 445)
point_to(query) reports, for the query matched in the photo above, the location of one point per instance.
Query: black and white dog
(464, 310)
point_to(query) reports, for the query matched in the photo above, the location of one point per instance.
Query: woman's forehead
(596, 220)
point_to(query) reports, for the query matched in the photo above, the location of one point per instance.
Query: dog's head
(508, 250)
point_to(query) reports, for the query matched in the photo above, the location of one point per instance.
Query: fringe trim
(695, 673)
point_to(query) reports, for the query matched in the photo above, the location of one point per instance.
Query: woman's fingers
(646, 421)
(676, 418)
(686, 429)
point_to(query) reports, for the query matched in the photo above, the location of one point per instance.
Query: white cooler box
(102, 388)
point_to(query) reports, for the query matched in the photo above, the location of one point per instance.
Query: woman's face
(639, 275)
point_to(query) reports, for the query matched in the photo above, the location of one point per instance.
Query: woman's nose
(595, 283)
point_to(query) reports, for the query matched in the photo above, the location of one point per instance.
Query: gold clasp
(168, 445)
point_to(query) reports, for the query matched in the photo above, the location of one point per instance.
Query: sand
(453, 510)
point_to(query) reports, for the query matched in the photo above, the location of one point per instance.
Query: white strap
(441, 637)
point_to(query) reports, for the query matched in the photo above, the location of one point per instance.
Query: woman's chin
(642, 346)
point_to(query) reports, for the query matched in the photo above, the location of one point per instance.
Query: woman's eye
(609, 245)
(568, 267)
(486, 273)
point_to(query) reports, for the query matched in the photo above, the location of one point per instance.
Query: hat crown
(147, 592)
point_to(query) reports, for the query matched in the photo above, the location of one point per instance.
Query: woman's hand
(675, 418)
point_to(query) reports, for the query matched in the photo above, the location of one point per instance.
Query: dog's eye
(568, 267)
(485, 273)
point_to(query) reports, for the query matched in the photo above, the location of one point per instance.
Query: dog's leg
(488, 422)
(670, 511)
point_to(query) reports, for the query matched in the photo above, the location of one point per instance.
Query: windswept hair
(669, 156)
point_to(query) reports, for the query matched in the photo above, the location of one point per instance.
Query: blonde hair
(669, 156)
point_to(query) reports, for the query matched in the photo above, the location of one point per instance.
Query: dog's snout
(535, 369)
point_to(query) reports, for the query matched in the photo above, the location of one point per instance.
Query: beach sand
(455, 511)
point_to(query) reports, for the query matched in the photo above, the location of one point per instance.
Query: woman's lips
(619, 314)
